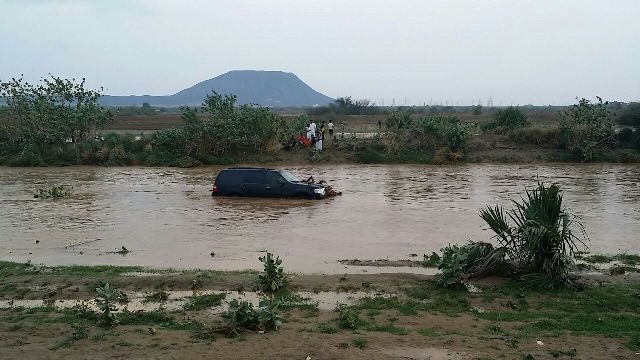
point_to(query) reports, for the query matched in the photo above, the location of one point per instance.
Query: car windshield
(289, 176)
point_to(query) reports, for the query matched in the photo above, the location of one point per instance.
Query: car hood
(313, 186)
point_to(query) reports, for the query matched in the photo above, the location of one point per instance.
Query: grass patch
(202, 302)
(386, 303)
(327, 329)
(79, 332)
(597, 259)
(294, 301)
(429, 332)
(360, 343)
(388, 328)
(633, 343)
(560, 352)
(156, 297)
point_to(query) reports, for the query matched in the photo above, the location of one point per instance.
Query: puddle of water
(167, 218)
(177, 299)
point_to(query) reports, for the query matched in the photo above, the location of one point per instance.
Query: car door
(253, 183)
(275, 185)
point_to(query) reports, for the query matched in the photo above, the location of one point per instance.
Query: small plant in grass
(53, 192)
(196, 284)
(348, 318)
(202, 302)
(240, 315)
(360, 343)
(79, 332)
(106, 303)
(634, 343)
(272, 280)
(156, 297)
(268, 316)
(326, 329)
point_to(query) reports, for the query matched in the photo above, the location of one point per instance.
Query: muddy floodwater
(167, 218)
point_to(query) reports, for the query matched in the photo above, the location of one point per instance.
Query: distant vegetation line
(59, 122)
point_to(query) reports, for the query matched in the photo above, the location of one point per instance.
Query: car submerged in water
(262, 182)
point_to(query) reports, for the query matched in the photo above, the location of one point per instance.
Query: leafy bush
(53, 192)
(347, 106)
(272, 280)
(476, 109)
(540, 242)
(426, 133)
(242, 316)
(586, 128)
(106, 303)
(506, 119)
(268, 316)
(51, 113)
(458, 263)
(348, 318)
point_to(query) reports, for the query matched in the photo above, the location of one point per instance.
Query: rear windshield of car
(289, 176)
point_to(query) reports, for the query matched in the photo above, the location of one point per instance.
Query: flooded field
(167, 218)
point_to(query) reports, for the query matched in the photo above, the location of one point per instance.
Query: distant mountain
(268, 88)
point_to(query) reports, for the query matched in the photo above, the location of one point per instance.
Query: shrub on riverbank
(506, 119)
(425, 134)
(538, 240)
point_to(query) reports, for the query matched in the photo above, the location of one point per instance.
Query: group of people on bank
(313, 135)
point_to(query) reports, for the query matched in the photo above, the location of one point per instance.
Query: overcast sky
(518, 51)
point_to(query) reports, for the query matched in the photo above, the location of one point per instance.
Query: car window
(272, 177)
(289, 176)
(252, 177)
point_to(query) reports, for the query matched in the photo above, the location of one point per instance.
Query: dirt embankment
(385, 316)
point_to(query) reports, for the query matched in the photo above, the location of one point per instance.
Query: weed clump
(242, 316)
(202, 302)
(272, 280)
(54, 192)
(156, 297)
(348, 318)
(106, 303)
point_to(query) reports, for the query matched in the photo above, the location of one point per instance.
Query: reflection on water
(167, 218)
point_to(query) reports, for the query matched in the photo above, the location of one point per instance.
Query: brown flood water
(167, 218)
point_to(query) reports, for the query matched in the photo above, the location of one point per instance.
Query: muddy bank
(399, 316)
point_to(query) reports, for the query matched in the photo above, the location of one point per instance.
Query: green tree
(476, 109)
(586, 128)
(52, 113)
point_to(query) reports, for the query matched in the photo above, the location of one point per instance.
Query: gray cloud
(516, 51)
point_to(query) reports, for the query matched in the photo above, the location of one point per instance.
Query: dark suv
(245, 181)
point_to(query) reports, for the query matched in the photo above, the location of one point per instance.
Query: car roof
(247, 168)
